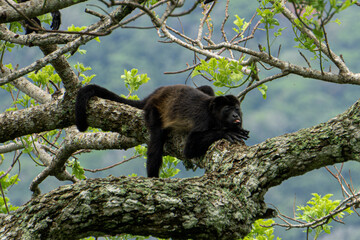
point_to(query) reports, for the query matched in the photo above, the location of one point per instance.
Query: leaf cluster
(319, 207)
(261, 230)
(77, 170)
(224, 73)
(133, 81)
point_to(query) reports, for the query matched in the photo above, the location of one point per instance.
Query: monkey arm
(198, 142)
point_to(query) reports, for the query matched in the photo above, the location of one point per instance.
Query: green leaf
(6, 182)
(72, 28)
(241, 24)
(333, 3)
(346, 4)
(263, 89)
(140, 150)
(132, 80)
(77, 170)
(169, 167)
(279, 32)
(337, 21)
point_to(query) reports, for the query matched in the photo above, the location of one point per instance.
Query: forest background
(292, 103)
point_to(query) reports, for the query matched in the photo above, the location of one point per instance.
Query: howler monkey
(196, 111)
(55, 24)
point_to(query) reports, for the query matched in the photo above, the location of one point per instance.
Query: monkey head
(226, 110)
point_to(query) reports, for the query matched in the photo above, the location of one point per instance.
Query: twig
(111, 166)
(268, 79)
(187, 11)
(184, 70)
(201, 26)
(308, 63)
(4, 198)
(12, 165)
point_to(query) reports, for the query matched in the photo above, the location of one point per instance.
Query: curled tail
(89, 91)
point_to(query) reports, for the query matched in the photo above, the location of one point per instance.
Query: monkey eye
(227, 109)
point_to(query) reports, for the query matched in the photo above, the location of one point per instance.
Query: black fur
(55, 24)
(207, 90)
(204, 117)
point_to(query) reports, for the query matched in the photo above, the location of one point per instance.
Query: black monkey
(197, 111)
(55, 24)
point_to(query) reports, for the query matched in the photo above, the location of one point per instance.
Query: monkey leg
(156, 144)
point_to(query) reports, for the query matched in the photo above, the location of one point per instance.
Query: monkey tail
(92, 90)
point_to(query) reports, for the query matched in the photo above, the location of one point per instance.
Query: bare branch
(112, 166)
(348, 78)
(336, 59)
(259, 83)
(10, 147)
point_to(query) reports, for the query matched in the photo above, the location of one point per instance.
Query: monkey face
(231, 116)
(226, 109)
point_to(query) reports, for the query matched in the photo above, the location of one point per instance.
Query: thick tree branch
(35, 39)
(33, 120)
(32, 9)
(180, 208)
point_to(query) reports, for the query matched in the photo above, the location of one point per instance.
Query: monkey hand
(244, 133)
(236, 136)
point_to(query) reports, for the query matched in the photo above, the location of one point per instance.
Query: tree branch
(161, 207)
(322, 46)
(32, 9)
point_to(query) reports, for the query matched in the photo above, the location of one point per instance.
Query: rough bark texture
(181, 208)
(33, 8)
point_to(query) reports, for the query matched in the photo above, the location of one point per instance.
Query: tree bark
(32, 8)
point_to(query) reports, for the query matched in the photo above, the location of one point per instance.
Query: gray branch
(32, 8)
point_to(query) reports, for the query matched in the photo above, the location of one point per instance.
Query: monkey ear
(217, 103)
